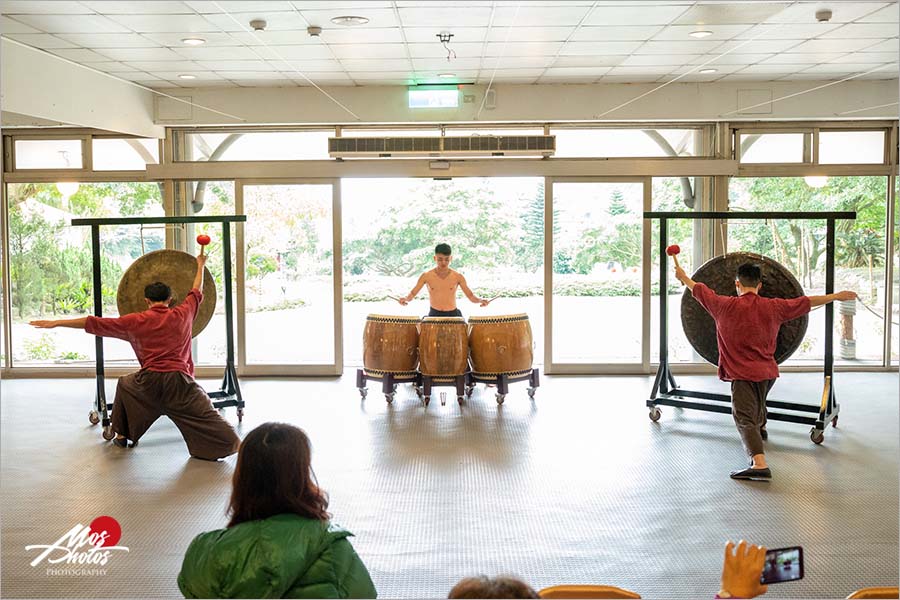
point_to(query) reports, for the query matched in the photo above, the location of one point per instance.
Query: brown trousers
(143, 397)
(748, 407)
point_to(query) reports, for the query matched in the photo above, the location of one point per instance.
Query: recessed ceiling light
(187, 76)
(708, 71)
(193, 41)
(446, 75)
(700, 34)
(349, 20)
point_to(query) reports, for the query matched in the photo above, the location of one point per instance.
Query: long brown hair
(274, 476)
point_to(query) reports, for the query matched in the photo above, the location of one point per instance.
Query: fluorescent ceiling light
(187, 76)
(349, 20)
(446, 75)
(700, 34)
(708, 71)
(193, 41)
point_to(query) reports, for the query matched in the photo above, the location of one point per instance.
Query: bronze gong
(718, 274)
(177, 270)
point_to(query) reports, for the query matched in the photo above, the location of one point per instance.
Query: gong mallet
(674, 250)
(203, 240)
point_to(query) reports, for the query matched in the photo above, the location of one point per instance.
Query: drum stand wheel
(108, 433)
(94, 417)
(389, 398)
(460, 400)
(469, 391)
(500, 398)
(240, 414)
(655, 414)
(531, 392)
(426, 400)
(363, 392)
(816, 435)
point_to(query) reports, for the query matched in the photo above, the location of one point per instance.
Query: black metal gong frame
(666, 391)
(230, 392)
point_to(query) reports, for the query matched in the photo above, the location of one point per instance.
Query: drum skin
(500, 344)
(391, 344)
(177, 270)
(443, 347)
(718, 274)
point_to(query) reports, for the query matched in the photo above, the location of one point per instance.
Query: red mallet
(674, 250)
(203, 240)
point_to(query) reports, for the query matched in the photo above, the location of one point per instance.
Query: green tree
(532, 246)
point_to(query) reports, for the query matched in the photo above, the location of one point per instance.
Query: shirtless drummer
(442, 282)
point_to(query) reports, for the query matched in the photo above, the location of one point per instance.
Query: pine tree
(617, 204)
(533, 227)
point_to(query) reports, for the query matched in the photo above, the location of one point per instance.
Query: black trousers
(748, 407)
(444, 313)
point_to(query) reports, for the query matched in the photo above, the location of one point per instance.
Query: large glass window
(258, 145)
(772, 147)
(124, 154)
(48, 154)
(495, 227)
(850, 147)
(51, 269)
(800, 246)
(627, 142)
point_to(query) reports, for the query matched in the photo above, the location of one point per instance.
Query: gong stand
(666, 391)
(230, 392)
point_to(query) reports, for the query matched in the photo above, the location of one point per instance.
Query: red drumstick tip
(203, 240)
(673, 250)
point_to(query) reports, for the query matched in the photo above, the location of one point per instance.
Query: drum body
(391, 345)
(443, 347)
(718, 274)
(500, 345)
(176, 269)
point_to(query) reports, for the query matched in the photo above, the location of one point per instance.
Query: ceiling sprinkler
(258, 24)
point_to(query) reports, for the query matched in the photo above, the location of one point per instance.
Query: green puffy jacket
(285, 556)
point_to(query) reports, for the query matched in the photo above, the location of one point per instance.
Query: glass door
(288, 263)
(597, 291)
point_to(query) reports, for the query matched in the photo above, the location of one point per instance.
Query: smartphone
(783, 564)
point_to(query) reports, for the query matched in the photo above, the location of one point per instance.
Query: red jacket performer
(161, 338)
(747, 331)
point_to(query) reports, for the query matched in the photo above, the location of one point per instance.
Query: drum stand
(230, 392)
(389, 382)
(502, 380)
(666, 391)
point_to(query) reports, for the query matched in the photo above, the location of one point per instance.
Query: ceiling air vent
(476, 145)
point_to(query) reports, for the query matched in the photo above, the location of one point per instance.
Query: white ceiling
(528, 41)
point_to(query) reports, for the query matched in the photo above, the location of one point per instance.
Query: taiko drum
(443, 347)
(391, 345)
(500, 345)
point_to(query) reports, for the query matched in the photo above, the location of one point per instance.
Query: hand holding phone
(783, 564)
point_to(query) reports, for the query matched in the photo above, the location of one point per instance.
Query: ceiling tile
(427, 35)
(681, 33)
(174, 39)
(240, 65)
(695, 71)
(445, 17)
(823, 77)
(165, 65)
(40, 40)
(505, 16)
(310, 66)
(793, 58)
(374, 35)
(219, 53)
(158, 84)
(732, 59)
(306, 52)
(638, 33)
(863, 30)
(583, 48)
(370, 75)
(847, 68)
(80, 55)
(774, 69)
(113, 67)
(72, 23)
(642, 79)
(866, 57)
(30, 7)
(123, 7)
(8, 25)
(597, 60)
(529, 34)
(842, 12)
(200, 75)
(427, 3)
(378, 17)
(388, 64)
(165, 23)
(207, 83)
(584, 72)
(271, 38)
(109, 40)
(658, 70)
(344, 4)
(136, 76)
(431, 64)
(832, 45)
(511, 81)
(892, 46)
(275, 21)
(748, 13)
(649, 60)
(566, 80)
(270, 75)
(787, 31)
(518, 62)
(888, 14)
(522, 49)
(436, 50)
(692, 47)
(239, 7)
(130, 54)
(518, 73)
(635, 15)
(750, 46)
(315, 76)
(748, 76)
(342, 51)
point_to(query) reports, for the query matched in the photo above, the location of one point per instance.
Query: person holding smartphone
(748, 569)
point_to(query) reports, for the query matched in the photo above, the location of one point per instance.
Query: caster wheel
(834, 422)
(426, 400)
(531, 392)
(108, 433)
(460, 399)
(363, 392)
(655, 414)
(816, 436)
(240, 415)
(389, 398)
(395, 387)
(94, 417)
(500, 398)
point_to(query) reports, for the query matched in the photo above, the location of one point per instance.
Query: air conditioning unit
(476, 145)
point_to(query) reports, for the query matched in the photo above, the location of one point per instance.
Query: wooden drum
(443, 348)
(391, 345)
(500, 345)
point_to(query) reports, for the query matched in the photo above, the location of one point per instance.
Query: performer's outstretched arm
(72, 323)
(820, 300)
(407, 299)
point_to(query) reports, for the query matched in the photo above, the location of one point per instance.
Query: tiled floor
(577, 486)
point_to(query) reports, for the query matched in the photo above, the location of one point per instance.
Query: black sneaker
(753, 474)
(764, 433)
(123, 443)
